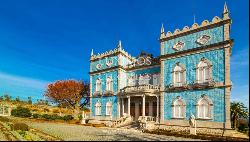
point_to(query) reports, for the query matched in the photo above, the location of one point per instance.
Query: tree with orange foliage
(68, 93)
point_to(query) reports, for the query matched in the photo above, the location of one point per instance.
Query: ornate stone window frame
(182, 71)
(203, 41)
(109, 62)
(98, 66)
(98, 108)
(179, 45)
(109, 81)
(98, 85)
(109, 108)
(199, 68)
(181, 110)
(210, 108)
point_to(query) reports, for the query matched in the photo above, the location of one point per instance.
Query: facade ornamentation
(193, 63)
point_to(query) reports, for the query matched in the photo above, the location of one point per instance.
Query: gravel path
(71, 132)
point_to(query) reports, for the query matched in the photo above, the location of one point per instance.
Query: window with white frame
(109, 84)
(156, 79)
(204, 108)
(109, 108)
(131, 81)
(141, 80)
(179, 109)
(98, 85)
(98, 108)
(204, 72)
(146, 79)
(178, 75)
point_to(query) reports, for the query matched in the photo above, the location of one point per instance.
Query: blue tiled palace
(190, 77)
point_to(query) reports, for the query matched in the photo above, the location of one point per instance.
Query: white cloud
(13, 80)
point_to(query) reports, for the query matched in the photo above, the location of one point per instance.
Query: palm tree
(238, 110)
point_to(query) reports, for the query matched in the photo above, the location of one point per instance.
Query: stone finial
(162, 28)
(225, 12)
(92, 52)
(119, 44)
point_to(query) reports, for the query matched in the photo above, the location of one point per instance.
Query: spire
(225, 12)
(162, 32)
(92, 52)
(119, 44)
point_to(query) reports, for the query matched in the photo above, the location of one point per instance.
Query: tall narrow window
(109, 108)
(146, 79)
(204, 108)
(131, 81)
(156, 79)
(109, 84)
(141, 80)
(178, 75)
(204, 72)
(179, 110)
(98, 85)
(98, 108)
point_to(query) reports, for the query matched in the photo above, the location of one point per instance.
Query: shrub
(20, 126)
(35, 115)
(80, 117)
(21, 112)
(4, 119)
(67, 117)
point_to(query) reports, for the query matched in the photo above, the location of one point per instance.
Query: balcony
(108, 93)
(203, 85)
(177, 87)
(97, 94)
(141, 89)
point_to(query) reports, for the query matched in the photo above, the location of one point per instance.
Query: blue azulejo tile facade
(191, 77)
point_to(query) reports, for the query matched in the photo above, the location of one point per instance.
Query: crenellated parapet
(115, 51)
(204, 25)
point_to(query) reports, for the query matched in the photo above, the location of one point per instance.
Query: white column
(143, 105)
(157, 109)
(119, 107)
(128, 105)
(150, 108)
(122, 106)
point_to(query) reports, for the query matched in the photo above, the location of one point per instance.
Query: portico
(139, 101)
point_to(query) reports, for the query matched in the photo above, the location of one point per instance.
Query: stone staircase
(123, 121)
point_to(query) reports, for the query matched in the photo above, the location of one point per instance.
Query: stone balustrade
(141, 88)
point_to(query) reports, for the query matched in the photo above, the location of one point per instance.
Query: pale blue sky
(46, 40)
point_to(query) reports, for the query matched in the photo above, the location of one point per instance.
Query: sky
(42, 41)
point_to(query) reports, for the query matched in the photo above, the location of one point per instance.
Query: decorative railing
(147, 119)
(97, 94)
(141, 88)
(191, 86)
(202, 85)
(122, 121)
(108, 93)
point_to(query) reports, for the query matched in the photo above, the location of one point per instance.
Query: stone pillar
(119, 107)
(122, 106)
(157, 109)
(129, 105)
(143, 105)
(150, 108)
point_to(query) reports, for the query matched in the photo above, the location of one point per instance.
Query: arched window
(179, 75)
(131, 81)
(98, 108)
(141, 80)
(108, 108)
(146, 79)
(204, 71)
(204, 108)
(109, 84)
(98, 85)
(179, 108)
